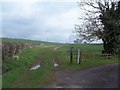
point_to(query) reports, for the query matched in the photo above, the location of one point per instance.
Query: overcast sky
(44, 20)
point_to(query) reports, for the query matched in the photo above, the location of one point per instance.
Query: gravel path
(98, 77)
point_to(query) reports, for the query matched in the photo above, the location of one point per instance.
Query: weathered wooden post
(79, 55)
(71, 55)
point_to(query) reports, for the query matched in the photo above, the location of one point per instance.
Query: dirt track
(99, 77)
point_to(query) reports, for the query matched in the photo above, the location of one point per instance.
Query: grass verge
(21, 77)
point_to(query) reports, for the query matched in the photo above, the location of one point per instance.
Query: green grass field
(20, 76)
(34, 42)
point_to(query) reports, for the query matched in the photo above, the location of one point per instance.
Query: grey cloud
(35, 26)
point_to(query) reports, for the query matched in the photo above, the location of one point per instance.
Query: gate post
(79, 55)
(71, 55)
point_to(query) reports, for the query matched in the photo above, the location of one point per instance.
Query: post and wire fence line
(79, 56)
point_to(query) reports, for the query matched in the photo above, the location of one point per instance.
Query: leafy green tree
(102, 22)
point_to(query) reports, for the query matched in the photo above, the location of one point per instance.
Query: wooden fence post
(71, 55)
(79, 56)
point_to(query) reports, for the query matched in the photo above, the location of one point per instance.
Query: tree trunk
(104, 46)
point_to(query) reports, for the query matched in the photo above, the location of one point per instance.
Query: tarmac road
(98, 77)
